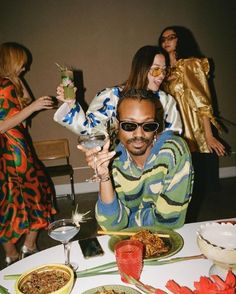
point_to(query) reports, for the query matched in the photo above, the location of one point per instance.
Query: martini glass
(90, 141)
(63, 230)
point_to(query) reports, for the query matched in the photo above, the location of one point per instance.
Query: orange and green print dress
(26, 193)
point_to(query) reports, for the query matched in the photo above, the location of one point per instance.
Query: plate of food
(158, 242)
(112, 289)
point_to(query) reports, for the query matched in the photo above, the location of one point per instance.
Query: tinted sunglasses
(132, 126)
(157, 71)
(168, 38)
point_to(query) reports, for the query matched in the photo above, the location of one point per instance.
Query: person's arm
(212, 143)
(172, 119)
(108, 207)
(111, 214)
(100, 111)
(44, 102)
(103, 159)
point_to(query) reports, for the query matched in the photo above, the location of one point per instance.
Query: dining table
(183, 272)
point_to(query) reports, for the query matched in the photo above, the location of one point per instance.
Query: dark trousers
(206, 180)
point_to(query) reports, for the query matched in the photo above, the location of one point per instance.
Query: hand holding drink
(67, 81)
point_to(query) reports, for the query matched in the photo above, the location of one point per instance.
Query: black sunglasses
(171, 37)
(132, 126)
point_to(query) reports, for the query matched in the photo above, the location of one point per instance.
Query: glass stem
(95, 167)
(67, 253)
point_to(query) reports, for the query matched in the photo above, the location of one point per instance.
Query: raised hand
(60, 95)
(100, 156)
(44, 102)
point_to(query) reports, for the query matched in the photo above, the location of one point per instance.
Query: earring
(155, 137)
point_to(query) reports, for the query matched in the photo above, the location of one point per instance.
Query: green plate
(175, 240)
(117, 288)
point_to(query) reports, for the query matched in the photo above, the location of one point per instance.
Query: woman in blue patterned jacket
(146, 73)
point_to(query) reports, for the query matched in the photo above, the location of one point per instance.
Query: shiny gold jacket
(187, 83)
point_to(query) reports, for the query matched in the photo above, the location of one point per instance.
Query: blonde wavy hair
(13, 57)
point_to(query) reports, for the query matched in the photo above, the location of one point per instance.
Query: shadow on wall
(80, 93)
(220, 119)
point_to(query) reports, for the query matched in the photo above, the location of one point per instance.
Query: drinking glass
(129, 258)
(64, 230)
(90, 141)
(67, 79)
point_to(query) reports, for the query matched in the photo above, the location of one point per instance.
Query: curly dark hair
(187, 45)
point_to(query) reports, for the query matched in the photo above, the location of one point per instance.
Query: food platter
(174, 240)
(117, 288)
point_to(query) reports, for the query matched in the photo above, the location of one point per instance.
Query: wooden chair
(49, 150)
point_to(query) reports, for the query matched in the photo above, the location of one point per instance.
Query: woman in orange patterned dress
(26, 197)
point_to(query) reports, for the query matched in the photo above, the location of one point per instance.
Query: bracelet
(105, 179)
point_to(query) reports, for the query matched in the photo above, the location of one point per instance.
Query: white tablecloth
(185, 272)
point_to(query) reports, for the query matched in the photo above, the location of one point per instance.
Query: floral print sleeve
(101, 111)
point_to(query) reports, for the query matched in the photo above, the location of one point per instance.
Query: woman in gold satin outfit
(187, 82)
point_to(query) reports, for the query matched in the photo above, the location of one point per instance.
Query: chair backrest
(52, 149)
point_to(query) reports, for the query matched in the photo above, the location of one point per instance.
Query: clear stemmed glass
(64, 230)
(90, 141)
